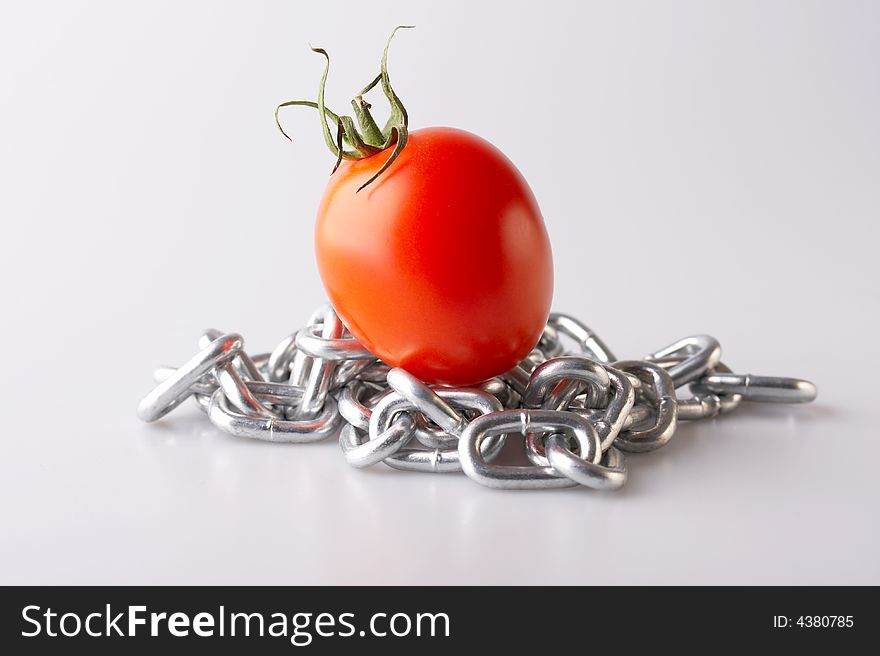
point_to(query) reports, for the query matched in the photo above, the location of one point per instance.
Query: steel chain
(576, 407)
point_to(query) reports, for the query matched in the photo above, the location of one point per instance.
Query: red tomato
(442, 265)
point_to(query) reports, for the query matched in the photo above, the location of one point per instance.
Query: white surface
(722, 158)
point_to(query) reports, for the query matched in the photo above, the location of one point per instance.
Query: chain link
(576, 407)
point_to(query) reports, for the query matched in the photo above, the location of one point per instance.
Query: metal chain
(576, 407)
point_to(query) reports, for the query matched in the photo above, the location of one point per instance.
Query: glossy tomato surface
(442, 265)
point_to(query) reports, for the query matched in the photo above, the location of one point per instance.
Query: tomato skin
(442, 265)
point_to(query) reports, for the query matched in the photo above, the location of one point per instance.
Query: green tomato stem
(369, 140)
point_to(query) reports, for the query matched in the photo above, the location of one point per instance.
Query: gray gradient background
(720, 160)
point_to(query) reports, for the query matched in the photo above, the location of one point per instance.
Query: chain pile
(577, 409)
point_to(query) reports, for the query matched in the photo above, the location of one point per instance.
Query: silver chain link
(576, 407)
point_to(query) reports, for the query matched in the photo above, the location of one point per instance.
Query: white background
(720, 160)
